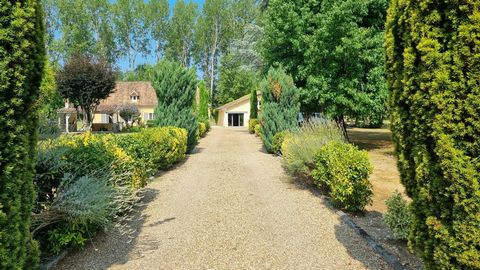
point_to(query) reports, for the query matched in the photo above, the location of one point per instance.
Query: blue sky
(123, 62)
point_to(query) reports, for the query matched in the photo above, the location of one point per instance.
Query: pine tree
(22, 57)
(280, 105)
(175, 87)
(433, 62)
(253, 104)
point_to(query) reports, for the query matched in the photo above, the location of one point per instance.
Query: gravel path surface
(229, 206)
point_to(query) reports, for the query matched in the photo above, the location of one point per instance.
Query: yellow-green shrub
(257, 130)
(202, 129)
(343, 170)
(277, 141)
(119, 164)
(251, 125)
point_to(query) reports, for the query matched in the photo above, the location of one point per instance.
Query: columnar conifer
(433, 61)
(22, 57)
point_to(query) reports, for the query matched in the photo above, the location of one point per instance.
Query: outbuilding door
(235, 119)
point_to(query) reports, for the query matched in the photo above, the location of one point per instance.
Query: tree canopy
(85, 81)
(333, 49)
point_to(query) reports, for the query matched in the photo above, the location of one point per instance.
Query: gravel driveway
(229, 206)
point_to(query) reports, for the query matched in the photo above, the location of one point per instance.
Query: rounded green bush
(343, 170)
(277, 142)
(251, 125)
(257, 130)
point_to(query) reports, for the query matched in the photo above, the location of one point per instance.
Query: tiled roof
(123, 91)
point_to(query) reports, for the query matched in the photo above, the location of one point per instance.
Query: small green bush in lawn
(251, 125)
(277, 141)
(300, 146)
(258, 130)
(343, 170)
(398, 217)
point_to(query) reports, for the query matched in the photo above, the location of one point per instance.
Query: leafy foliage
(433, 65)
(280, 105)
(130, 114)
(346, 37)
(176, 87)
(277, 141)
(252, 123)
(343, 170)
(88, 182)
(398, 217)
(22, 58)
(85, 82)
(234, 81)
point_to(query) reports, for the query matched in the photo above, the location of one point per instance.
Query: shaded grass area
(385, 180)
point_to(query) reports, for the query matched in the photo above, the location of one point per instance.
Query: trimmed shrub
(398, 217)
(251, 125)
(175, 87)
(343, 171)
(301, 144)
(202, 129)
(280, 105)
(258, 130)
(277, 141)
(85, 182)
(22, 58)
(433, 66)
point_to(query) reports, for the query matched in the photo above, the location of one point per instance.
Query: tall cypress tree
(280, 105)
(203, 104)
(253, 104)
(175, 87)
(433, 61)
(22, 57)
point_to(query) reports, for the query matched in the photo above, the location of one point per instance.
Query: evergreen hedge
(280, 105)
(22, 57)
(433, 62)
(253, 104)
(175, 87)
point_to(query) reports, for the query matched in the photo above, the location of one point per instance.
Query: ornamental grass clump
(300, 145)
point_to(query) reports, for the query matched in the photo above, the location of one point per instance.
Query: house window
(148, 116)
(134, 98)
(105, 118)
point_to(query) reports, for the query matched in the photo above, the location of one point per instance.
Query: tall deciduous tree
(234, 82)
(180, 36)
(129, 18)
(22, 57)
(213, 29)
(433, 63)
(85, 82)
(157, 20)
(175, 86)
(333, 50)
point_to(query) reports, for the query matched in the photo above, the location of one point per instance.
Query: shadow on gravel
(114, 246)
(355, 247)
